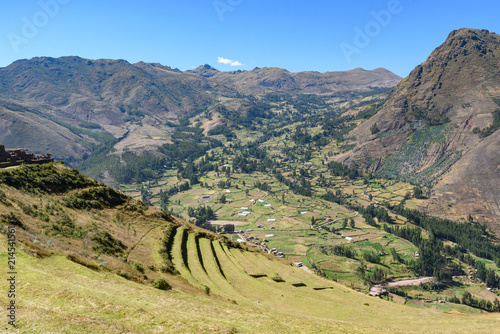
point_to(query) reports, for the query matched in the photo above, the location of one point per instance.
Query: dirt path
(416, 281)
(333, 221)
(223, 222)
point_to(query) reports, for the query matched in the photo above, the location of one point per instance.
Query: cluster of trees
(138, 167)
(186, 150)
(434, 258)
(224, 184)
(430, 261)
(222, 129)
(379, 212)
(431, 117)
(335, 126)
(245, 165)
(202, 214)
(378, 275)
(468, 299)
(188, 145)
(302, 187)
(371, 257)
(486, 275)
(338, 197)
(489, 129)
(340, 250)
(338, 169)
(470, 236)
(370, 110)
(264, 186)
(437, 260)
(369, 213)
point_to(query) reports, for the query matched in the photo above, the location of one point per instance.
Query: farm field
(282, 192)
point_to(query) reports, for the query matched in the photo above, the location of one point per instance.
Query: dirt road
(416, 281)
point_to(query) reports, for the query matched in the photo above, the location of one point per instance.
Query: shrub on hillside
(104, 243)
(95, 198)
(83, 261)
(12, 219)
(46, 178)
(64, 226)
(3, 198)
(134, 205)
(161, 284)
(138, 267)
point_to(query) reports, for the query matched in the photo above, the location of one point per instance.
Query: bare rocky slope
(426, 128)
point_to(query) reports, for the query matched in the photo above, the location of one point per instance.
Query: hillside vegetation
(86, 269)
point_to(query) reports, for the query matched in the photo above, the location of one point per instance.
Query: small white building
(269, 235)
(271, 220)
(349, 239)
(244, 208)
(267, 205)
(303, 212)
(261, 200)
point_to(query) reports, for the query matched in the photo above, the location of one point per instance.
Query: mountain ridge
(434, 112)
(265, 79)
(117, 97)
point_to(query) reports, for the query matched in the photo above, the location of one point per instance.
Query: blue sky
(299, 35)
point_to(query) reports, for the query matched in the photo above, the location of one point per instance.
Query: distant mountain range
(48, 104)
(273, 79)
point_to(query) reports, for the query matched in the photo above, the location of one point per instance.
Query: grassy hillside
(86, 259)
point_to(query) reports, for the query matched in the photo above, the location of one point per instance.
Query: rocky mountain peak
(205, 71)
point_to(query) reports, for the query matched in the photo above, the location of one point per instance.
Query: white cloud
(224, 60)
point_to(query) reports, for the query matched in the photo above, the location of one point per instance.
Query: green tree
(352, 224)
(378, 275)
(222, 199)
(417, 192)
(361, 270)
(374, 129)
